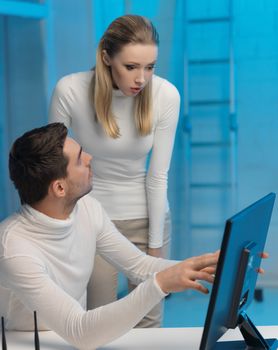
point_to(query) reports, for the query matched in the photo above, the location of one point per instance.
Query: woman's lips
(135, 90)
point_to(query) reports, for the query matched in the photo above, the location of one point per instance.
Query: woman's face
(133, 67)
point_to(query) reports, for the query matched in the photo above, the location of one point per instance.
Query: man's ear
(58, 188)
(106, 58)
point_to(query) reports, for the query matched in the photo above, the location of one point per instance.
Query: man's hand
(188, 274)
(156, 252)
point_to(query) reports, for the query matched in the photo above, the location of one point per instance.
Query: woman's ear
(106, 58)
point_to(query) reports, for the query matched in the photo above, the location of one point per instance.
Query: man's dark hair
(36, 159)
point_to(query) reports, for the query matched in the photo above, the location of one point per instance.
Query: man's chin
(88, 190)
(85, 193)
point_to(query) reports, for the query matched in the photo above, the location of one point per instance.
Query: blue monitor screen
(235, 279)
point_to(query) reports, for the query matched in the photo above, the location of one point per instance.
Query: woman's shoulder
(74, 81)
(165, 90)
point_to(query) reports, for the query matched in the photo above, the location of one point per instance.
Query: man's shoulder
(8, 228)
(9, 223)
(91, 205)
(91, 211)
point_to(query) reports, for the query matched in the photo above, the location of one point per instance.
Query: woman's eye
(128, 67)
(131, 67)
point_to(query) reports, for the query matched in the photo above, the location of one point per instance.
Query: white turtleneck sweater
(121, 182)
(46, 263)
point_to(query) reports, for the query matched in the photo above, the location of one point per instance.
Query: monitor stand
(252, 338)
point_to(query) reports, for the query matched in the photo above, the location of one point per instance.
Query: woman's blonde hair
(128, 29)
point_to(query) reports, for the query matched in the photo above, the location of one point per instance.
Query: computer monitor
(235, 279)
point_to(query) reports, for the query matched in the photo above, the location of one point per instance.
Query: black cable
(4, 343)
(36, 335)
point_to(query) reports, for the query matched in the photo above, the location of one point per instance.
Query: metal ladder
(210, 129)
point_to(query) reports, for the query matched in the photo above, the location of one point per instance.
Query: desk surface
(147, 339)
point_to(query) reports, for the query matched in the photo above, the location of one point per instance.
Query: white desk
(136, 339)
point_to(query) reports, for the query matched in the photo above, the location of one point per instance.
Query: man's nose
(89, 157)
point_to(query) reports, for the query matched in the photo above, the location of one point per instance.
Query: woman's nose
(140, 78)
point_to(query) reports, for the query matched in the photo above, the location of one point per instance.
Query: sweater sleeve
(168, 101)
(29, 280)
(125, 256)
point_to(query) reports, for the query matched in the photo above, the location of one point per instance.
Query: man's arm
(29, 280)
(172, 276)
(124, 255)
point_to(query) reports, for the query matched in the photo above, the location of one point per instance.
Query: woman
(121, 113)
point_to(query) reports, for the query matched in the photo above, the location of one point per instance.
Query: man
(47, 249)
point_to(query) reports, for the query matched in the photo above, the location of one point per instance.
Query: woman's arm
(168, 102)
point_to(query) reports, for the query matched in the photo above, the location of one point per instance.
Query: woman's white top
(121, 182)
(46, 263)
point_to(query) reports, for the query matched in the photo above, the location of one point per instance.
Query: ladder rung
(208, 102)
(208, 61)
(210, 144)
(209, 20)
(210, 185)
(207, 226)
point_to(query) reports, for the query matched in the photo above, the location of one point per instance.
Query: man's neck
(54, 209)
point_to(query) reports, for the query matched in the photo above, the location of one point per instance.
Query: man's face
(79, 173)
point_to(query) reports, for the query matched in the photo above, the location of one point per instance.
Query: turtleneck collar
(44, 221)
(119, 93)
